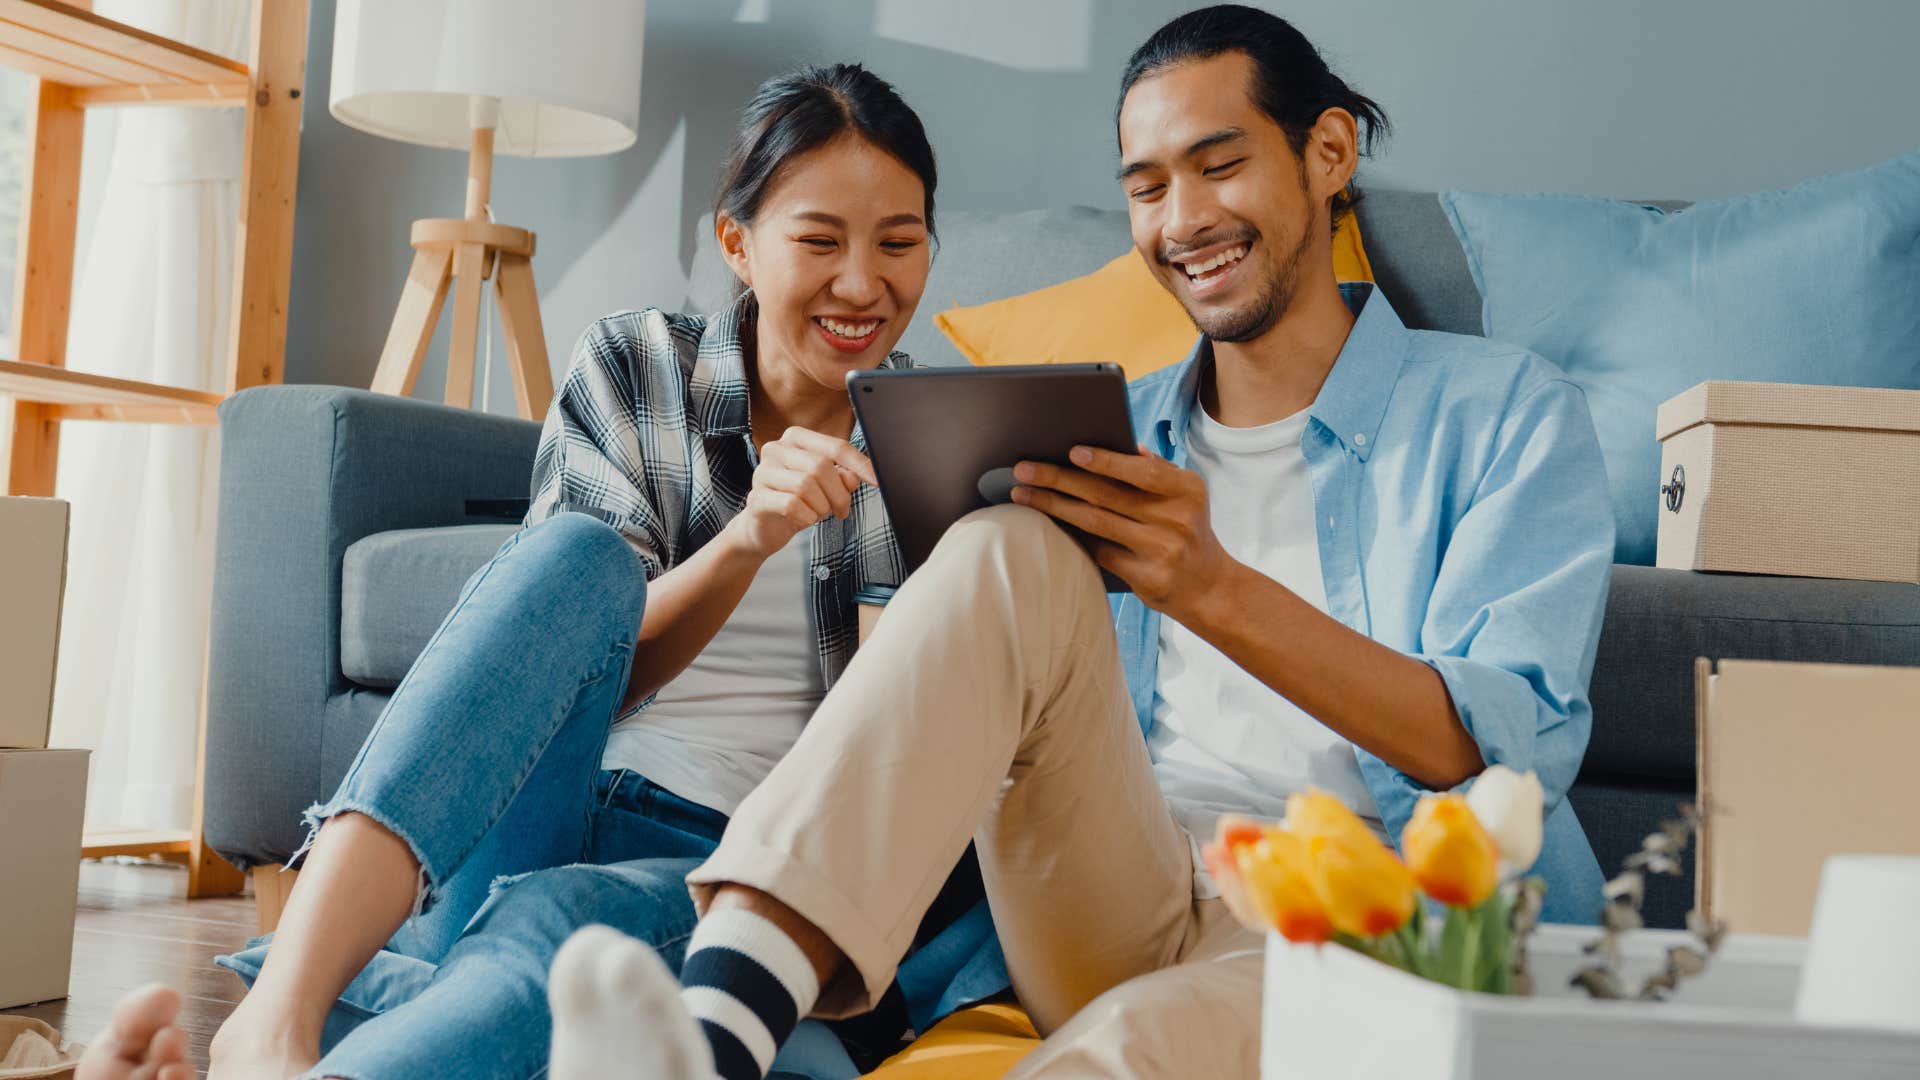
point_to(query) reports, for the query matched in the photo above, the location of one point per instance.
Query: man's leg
(1199, 1017)
(992, 703)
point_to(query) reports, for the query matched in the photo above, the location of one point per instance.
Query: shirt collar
(717, 394)
(1352, 401)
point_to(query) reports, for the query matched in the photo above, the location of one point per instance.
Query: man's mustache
(1245, 234)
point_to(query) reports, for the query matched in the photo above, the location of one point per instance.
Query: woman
(702, 514)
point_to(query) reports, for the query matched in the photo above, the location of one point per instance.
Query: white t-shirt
(1222, 740)
(714, 732)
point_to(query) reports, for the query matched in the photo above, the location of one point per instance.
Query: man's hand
(1146, 520)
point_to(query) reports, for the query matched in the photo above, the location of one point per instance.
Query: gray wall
(1684, 99)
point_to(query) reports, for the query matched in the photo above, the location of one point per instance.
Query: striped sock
(748, 984)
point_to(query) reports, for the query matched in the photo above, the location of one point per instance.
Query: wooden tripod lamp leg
(526, 340)
(469, 263)
(413, 321)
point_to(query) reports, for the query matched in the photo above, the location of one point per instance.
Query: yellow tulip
(1279, 883)
(1317, 813)
(1367, 889)
(1450, 852)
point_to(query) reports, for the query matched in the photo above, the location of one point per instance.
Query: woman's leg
(482, 765)
(485, 1013)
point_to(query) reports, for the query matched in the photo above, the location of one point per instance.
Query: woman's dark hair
(807, 109)
(1291, 82)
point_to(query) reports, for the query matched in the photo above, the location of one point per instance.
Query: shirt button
(1360, 439)
(1329, 521)
(821, 573)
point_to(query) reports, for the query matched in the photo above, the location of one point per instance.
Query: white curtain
(152, 300)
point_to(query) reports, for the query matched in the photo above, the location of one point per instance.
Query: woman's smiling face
(837, 257)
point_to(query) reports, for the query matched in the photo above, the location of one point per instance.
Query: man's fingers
(1148, 472)
(1080, 484)
(1092, 519)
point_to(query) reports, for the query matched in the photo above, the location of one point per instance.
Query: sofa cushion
(396, 587)
(1814, 284)
(1658, 621)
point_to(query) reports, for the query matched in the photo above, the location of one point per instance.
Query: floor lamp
(559, 78)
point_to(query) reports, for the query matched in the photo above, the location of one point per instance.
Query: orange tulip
(1317, 813)
(1368, 890)
(1280, 883)
(1450, 852)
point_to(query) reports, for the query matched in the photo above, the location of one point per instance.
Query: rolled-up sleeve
(591, 457)
(1514, 618)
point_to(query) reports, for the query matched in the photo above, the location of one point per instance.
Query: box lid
(1789, 404)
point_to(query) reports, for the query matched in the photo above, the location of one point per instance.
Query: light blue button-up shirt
(1461, 505)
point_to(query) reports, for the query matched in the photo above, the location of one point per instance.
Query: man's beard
(1273, 296)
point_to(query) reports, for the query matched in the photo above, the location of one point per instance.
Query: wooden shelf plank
(225, 96)
(94, 397)
(76, 47)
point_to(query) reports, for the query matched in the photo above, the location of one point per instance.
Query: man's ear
(733, 246)
(1332, 153)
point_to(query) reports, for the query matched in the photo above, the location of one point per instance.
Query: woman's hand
(803, 477)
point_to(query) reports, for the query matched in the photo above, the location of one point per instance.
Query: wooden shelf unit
(111, 63)
(85, 61)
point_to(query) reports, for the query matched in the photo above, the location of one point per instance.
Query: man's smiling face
(1220, 203)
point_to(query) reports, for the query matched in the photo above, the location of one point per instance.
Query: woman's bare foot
(253, 1046)
(142, 1041)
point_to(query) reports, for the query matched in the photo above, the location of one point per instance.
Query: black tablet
(944, 440)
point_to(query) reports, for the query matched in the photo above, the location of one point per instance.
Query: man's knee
(1185, 1020)
(1019, 539)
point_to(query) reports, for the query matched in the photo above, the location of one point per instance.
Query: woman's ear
(733, 246)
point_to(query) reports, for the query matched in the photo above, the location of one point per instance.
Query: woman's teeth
(852, 331)
(1231, 255)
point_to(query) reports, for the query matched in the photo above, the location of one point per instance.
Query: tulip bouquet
(1322, 875)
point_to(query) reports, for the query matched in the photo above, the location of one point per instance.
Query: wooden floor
(135, 926)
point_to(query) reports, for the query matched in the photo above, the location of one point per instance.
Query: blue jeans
(486, 763)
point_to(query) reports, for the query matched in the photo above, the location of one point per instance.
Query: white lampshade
(565, 73)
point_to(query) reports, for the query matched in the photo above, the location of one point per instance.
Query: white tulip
(1509, 806)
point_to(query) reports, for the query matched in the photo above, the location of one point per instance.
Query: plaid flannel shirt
(649, 433)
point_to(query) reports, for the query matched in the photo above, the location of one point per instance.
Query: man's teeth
(853, 331)
(1231, 255)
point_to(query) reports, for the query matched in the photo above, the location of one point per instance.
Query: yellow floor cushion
(979, 1043)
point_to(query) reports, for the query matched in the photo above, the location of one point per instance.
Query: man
(1363, 558)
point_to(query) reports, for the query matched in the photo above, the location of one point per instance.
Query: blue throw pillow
(1816, 284)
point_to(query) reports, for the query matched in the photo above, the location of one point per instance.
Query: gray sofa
(349, 520)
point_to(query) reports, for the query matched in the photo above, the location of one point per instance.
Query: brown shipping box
(1799, 762)
(33, 575)
(1771, 478)
(43, 795)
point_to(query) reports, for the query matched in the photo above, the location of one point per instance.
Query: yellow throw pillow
(1119, 314)
(978, 1043)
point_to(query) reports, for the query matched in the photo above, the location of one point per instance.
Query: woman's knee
(579, 553)
(537, 912)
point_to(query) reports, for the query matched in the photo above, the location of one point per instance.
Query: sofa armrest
(1659, 620)
(306, 471)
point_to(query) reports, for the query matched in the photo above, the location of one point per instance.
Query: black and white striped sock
(748, 984)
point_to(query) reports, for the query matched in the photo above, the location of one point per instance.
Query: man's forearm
(1389, 704)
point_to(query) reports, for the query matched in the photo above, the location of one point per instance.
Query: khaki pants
(990, 706)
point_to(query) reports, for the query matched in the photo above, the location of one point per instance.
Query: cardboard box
(33, 578)
(1770, 478)
(1330, 1013)
(43, 796)
(1799, 762)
